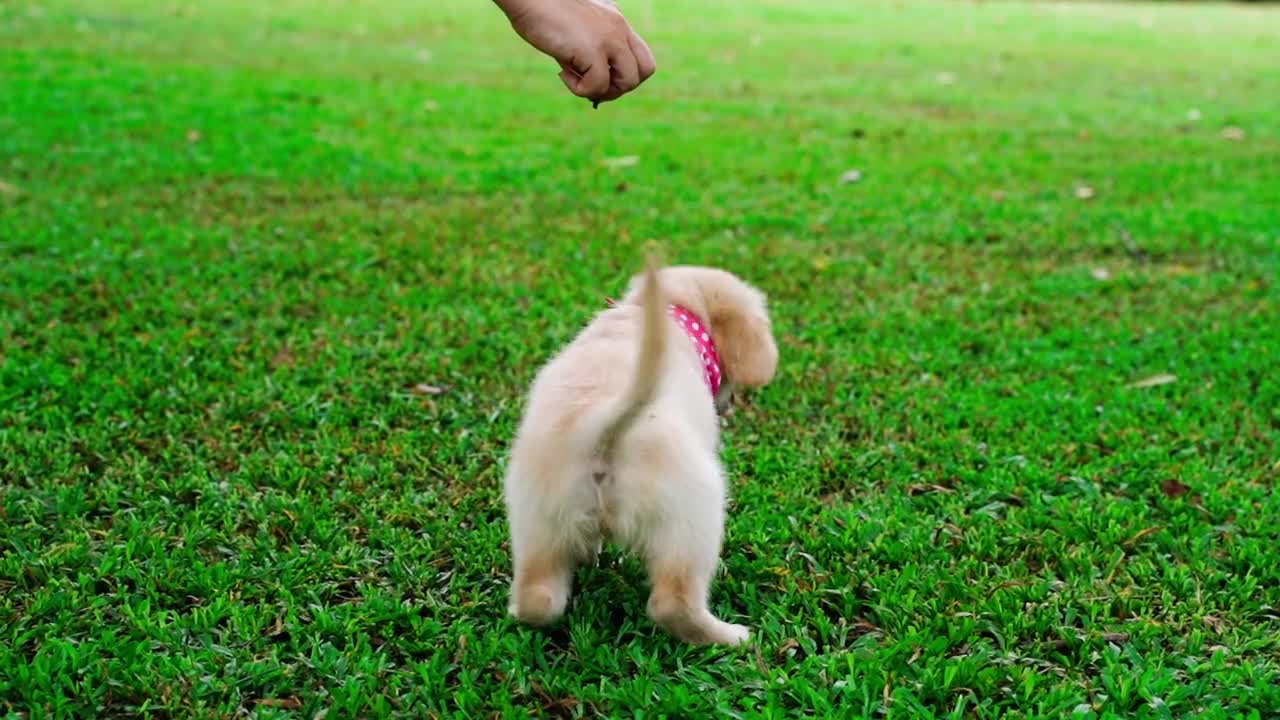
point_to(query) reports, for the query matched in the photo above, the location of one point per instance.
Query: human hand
(601, 58)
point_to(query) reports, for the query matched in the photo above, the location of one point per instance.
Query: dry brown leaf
(790, 646)
(1143, 533)
(1214, 623)
(1174, 488)
(289, 703)
(926, 489)
(621, 162)
(1154, 381)
(282, 358)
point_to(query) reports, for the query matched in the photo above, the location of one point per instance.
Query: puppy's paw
(719, 632)
(537, 605)
(734, 635)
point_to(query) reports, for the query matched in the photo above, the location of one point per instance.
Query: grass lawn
(274, 278)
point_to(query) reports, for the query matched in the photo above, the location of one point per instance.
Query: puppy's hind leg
(682, 555)
(542, 580)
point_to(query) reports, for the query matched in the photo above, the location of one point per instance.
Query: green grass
(232, 235)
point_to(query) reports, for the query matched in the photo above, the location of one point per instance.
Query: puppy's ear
(743, 333)
(746, 345)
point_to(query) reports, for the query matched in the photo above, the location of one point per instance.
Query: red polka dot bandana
(700, 334)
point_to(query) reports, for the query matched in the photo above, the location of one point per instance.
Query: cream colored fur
(620, 442)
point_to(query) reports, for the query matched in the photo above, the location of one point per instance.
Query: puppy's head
(735, 311)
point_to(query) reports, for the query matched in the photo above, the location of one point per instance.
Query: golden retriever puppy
(620, 441)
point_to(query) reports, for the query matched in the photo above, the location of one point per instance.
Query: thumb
(587, 78)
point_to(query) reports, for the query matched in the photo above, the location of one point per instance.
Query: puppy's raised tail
(644, 383)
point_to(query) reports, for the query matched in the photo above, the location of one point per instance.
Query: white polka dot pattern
(699, 333)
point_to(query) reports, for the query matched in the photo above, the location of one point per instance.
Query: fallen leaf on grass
(1174, 489)
(850, 177)
(282, 358)
(1232, 132)
(565, 705)
(425, 389)
(955, 535)
(621, 162)
(1214, 623)
(1154, 381)
(289, 703)
(1143, 533)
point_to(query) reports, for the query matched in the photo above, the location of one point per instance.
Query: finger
(645, 63)
(569, 77)
(613, 94)
(573, 80)
(588, 79)
(624, 74)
